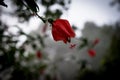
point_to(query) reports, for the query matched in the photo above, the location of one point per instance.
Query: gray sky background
(98, 11)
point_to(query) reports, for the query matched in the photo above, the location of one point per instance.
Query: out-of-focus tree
(25, 9)
(115, 2)
(109, 66)
(14, 65)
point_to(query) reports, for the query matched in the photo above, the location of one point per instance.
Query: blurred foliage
(8, 52)
(3, 3)
(84, 43)
(115, 2)
(110, 64)
(25, 9)
(13, 61)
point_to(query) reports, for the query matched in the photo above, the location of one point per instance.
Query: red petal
(39, 54)
(96, 41)
(92, 52)
(72, 46)
(58, 36)
(61, 30)
(69, 28)
(65, 26)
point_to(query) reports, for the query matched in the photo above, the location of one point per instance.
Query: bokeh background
(28, 51)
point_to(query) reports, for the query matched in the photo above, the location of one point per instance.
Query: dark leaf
(32, 5)
(2, 3)
(84, 43)
(34, 46)
(74, 27)
(41, 41)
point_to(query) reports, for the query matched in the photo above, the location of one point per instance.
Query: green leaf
(41, 41)
(84, 43)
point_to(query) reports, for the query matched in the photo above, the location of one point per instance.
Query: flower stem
(43, 19)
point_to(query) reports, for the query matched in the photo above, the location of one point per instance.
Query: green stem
(43, 19)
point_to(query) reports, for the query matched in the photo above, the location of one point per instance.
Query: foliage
(12, 58)
(115, 2)
(109, 68)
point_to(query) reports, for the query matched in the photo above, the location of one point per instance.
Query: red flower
(96, 41)
(61, 30)
(39, 54)
(72, 46)
(91, 52)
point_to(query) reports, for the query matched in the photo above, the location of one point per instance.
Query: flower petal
(92, 52)
(58, 36)
(66, 26)
(61, 30)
